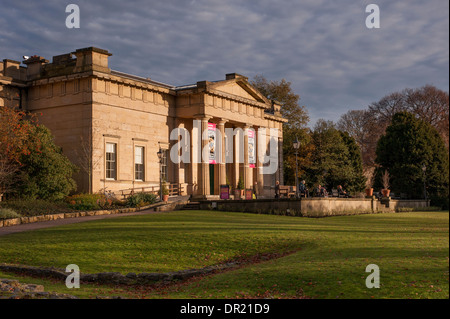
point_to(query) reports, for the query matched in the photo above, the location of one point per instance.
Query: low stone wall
(43, 218)
(313, 207)
(116, 278)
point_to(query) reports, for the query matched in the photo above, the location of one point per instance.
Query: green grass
(411, 250)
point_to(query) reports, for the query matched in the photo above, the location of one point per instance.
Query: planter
(369, 192)
(385, 192)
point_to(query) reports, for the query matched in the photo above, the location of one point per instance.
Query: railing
(174, 190)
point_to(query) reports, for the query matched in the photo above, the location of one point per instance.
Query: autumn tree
(45, 172)
(15, 128)
(295, 128)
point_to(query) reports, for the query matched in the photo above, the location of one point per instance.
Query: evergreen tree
(336, 159)
(357, 180)
(409, 144)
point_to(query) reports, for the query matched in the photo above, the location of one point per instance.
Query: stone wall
(314, 207)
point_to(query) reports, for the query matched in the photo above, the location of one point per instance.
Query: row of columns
(199, 170)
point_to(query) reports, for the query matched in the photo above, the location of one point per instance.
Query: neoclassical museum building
(117, 126)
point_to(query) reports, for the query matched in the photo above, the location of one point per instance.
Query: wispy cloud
(323, 47)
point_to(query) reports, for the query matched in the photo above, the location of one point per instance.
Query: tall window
(139, 163)
(111, 161)
(164, 171)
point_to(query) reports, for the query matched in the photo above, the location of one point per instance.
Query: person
(255, 190)
(342, 193)
(277, 189)
(303, 189)
(321, 191)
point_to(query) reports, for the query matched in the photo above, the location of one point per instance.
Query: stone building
(112, 124)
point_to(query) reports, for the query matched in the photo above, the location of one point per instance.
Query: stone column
(204, 187)
(236, 154)
(193, 171)
(247, 175)
(259, 166)
(221, 160)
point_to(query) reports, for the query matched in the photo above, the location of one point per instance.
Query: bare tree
(427, 102)
(366, 129)
(366, 126)
(85, 153)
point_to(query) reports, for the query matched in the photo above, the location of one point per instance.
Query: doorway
(211, 179)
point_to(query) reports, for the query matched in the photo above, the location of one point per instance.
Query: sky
(323, 47)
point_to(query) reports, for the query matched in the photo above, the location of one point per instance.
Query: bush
(91, 202)
(141, 199)
(6, 213)
(30, 207)
(45, 172)
(442, 202)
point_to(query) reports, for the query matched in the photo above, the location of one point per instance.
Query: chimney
(11, 68)
(92, 58)
(34, 66)
(231, 76)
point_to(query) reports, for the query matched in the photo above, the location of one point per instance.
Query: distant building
(112, 124)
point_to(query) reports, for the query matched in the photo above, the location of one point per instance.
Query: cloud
(322, 47)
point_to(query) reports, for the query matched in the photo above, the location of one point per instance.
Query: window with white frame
(139, 163)
(111, 161)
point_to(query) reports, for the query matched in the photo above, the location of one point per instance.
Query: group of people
(319, 191)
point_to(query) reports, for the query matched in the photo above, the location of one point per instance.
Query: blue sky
(322, 47)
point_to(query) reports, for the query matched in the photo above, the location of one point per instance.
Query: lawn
(327, 260)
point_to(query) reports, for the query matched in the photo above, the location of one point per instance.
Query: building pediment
(239, 86)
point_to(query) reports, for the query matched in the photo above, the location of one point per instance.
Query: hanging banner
(212, 142)
(251, 149)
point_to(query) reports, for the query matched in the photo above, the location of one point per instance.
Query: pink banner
(212, 142)
(251, 149)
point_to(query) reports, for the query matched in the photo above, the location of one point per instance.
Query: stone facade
(94, 112)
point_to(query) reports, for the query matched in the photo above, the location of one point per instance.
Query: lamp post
(160, 180)
(296, 145)
(424, 170)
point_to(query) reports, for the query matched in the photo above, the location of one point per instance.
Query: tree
(298, 118)
(336, 158)
(408, 144)
(356, 179)
(365, 129)
(45, 172)
(86, 160)
(14, 131)
(366, 126)
(427, 102)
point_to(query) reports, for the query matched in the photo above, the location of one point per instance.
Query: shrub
(6, 213)
(428, 209)
(29, 207)
(141, 199)
(91, 202)
(45, 172)
(442, 202)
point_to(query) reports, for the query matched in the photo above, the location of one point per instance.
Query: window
(111, 161)
(139, 163)
(164, 171)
